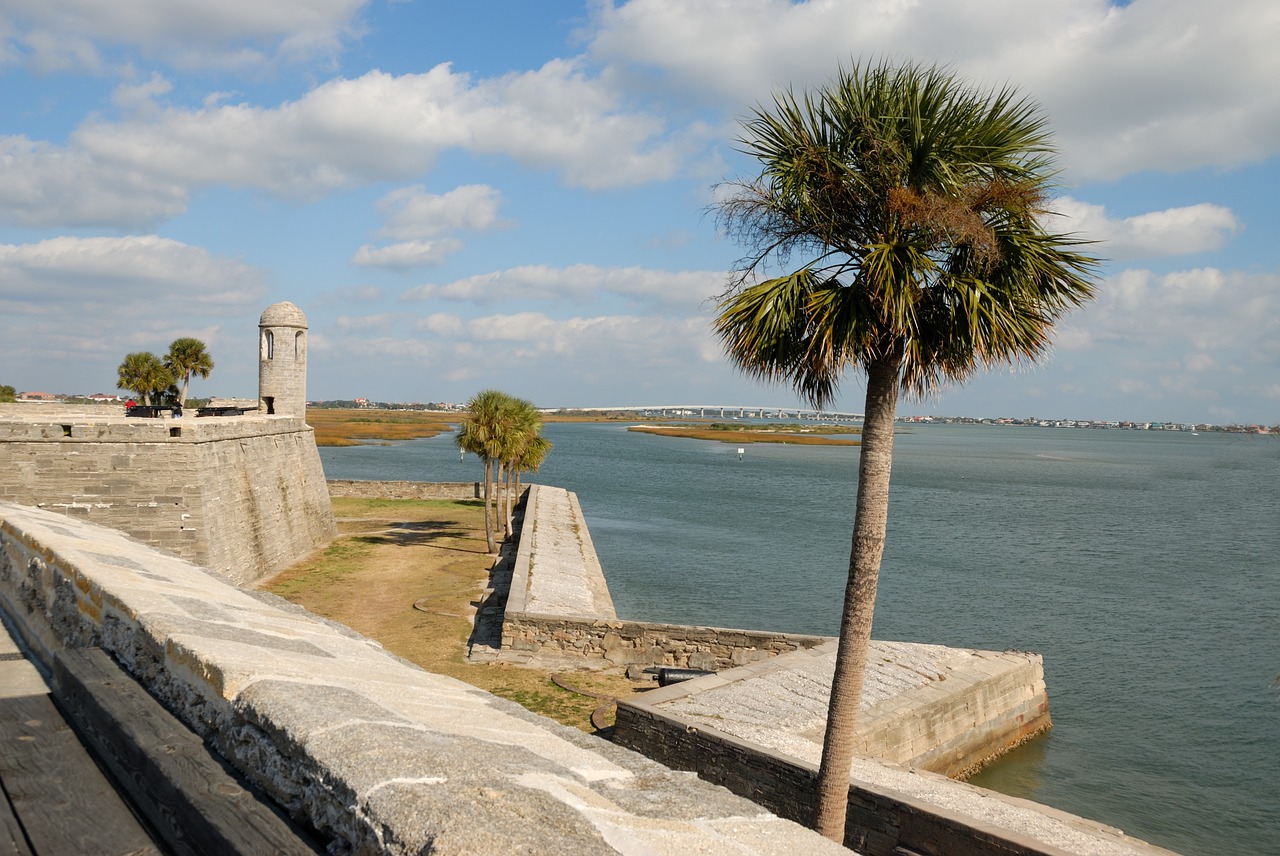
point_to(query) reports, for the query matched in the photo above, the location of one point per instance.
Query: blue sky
(515, 194)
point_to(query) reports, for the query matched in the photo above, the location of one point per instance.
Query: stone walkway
(565, 577)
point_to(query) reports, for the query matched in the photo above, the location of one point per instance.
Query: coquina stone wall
(404, 489)
(556, 563)
(626, 643)
(374, 754)
(244, 496)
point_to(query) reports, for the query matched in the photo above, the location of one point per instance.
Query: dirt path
(394, 554)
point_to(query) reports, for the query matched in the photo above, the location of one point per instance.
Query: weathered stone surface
(378, 755)
(243, 496)
(559, 604)
(404, 489)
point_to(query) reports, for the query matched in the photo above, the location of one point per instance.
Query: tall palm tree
(483, 432)
(917, 205)
(144, 373)
(187, 357)
(523, 430)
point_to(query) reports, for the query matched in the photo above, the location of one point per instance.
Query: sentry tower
(282, 361)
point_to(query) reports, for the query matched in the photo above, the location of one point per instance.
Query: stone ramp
(369, 751)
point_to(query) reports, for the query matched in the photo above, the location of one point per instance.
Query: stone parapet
(71, 429)
(371, 752)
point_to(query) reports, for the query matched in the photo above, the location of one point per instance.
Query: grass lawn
(409, 573)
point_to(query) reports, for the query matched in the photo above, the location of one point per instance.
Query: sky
(519, 195)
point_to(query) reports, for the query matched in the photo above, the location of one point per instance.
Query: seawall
(242, 495)
(371, 752)
(404, 489)
(559, 604)
(756, 726)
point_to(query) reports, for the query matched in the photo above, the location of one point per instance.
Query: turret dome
(283, 314)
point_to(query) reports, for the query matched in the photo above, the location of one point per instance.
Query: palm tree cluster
(918, 206)
(506, 433)
(146, 374)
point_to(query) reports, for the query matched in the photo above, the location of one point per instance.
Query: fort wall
(242, 495)
(559, 604)
(373, 754)
(404, 489)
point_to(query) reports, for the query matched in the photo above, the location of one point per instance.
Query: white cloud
(1165, 86)
(1174, 231)
(411, 212)
(380, 127)
(363, 323)
(43, 185)
(341, 134)
(687, 289)
(70, 34)
(74, 306)
(1197, 334)
(140, 97)
(610, 353)
(131, 274)
(406, 254)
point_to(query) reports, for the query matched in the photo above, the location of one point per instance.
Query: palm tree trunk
(874, 465)
(506, 505)
(499, 499)
(488, 507)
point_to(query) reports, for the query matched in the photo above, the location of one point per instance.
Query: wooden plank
(12, 838)
(63, 801)
(189, 795)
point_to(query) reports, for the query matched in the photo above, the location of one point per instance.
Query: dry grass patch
(409, 574)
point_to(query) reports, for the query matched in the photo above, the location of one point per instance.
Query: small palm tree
(917, 205)
(144, 373)
(187, 357)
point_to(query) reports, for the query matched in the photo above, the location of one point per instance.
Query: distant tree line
(7, 394)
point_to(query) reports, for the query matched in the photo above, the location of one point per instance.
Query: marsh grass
(351, 427)
(786, 434)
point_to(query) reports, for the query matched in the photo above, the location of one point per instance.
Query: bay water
(1144, 566)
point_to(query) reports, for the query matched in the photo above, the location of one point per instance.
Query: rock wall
(627, 643)
(404, 489)
(559, 603)
(243, 496)
(374, 754)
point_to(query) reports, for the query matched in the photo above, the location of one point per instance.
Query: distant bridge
(721, 411)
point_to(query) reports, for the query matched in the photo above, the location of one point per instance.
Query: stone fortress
(373, 755)
(241, 495)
